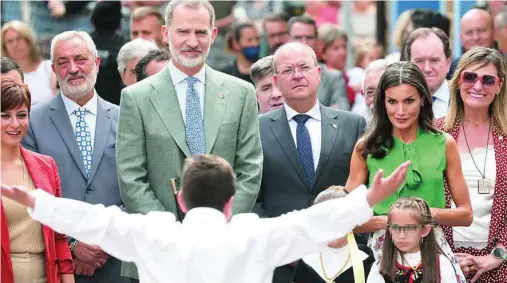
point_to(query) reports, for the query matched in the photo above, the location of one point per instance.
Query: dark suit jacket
(50, 132)
(44, 174)
(283, 187)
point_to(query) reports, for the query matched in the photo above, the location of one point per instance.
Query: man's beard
(79, 90)
(189, 62)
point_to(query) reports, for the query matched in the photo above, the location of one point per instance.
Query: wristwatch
(500, 253)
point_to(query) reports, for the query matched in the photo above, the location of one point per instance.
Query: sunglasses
(470, 78)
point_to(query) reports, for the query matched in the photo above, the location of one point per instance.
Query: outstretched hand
(18, 194)
(381, 188)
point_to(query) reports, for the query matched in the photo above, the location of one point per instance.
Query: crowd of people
(182, 154)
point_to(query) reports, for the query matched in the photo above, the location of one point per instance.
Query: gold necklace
(477, 124)
(331, 279)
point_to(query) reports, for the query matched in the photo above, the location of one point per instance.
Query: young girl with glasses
(410, 252)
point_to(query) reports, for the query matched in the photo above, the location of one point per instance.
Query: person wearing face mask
(244, 43)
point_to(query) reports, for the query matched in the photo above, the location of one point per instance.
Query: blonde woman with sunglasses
(477, 120)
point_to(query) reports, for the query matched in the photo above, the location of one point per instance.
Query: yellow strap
(357, 261)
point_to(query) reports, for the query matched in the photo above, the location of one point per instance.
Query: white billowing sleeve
(375, 276)
(292, 236)
(447, 272)
(114, 231)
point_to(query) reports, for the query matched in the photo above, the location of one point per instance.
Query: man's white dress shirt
(181, 86)
(441, 103)
(205, 247)
(313, 125)
(90, 118)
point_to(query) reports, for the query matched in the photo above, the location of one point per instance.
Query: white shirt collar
(71, 106)
(178, 76)
(314, 112)
(204, 216)
(442, 92)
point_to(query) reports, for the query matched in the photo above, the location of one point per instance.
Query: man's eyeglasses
(370, 93)
(470, 78)
(290, 71)
(408, 230)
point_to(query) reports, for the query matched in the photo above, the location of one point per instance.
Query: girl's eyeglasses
(408, 230)
(470, 78)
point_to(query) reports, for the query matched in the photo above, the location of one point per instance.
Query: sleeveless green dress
(425, 176)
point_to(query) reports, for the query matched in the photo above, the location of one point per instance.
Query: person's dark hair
(423, 33)
(107, 16)
(14, 95)
(235, 33)
(378, 139)
(237, 28)
(430, 250)
(276, 17)
(422, 18)
(9, 65)
(301, 19)
(208, 181)
(157, 55)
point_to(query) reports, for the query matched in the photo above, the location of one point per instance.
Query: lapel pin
(221, 95)
(334, 126)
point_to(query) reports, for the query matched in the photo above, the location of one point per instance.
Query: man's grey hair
(68, 35)
(262, 68)
(195, 4)
(380, 64)
(291, 45)
(501, 18)
(136, 48)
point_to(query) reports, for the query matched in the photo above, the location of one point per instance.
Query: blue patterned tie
(304, 146)
(194, 128)
(84, 139)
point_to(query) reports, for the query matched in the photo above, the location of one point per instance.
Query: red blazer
(44, 174)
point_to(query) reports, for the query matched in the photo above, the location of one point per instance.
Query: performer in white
(206, 247)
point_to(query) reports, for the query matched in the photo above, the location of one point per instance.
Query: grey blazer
(332, 89)
(283, 186)
(50, 132)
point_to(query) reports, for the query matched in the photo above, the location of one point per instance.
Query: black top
(305, 274)
(232, 69)
(109, 84)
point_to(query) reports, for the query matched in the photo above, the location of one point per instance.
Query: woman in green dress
(402, 129)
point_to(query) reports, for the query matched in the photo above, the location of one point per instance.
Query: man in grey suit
(186, 109)
(307, 146)
(78, 129)
(332, 88)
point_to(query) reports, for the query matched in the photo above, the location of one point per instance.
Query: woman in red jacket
(31, 253)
